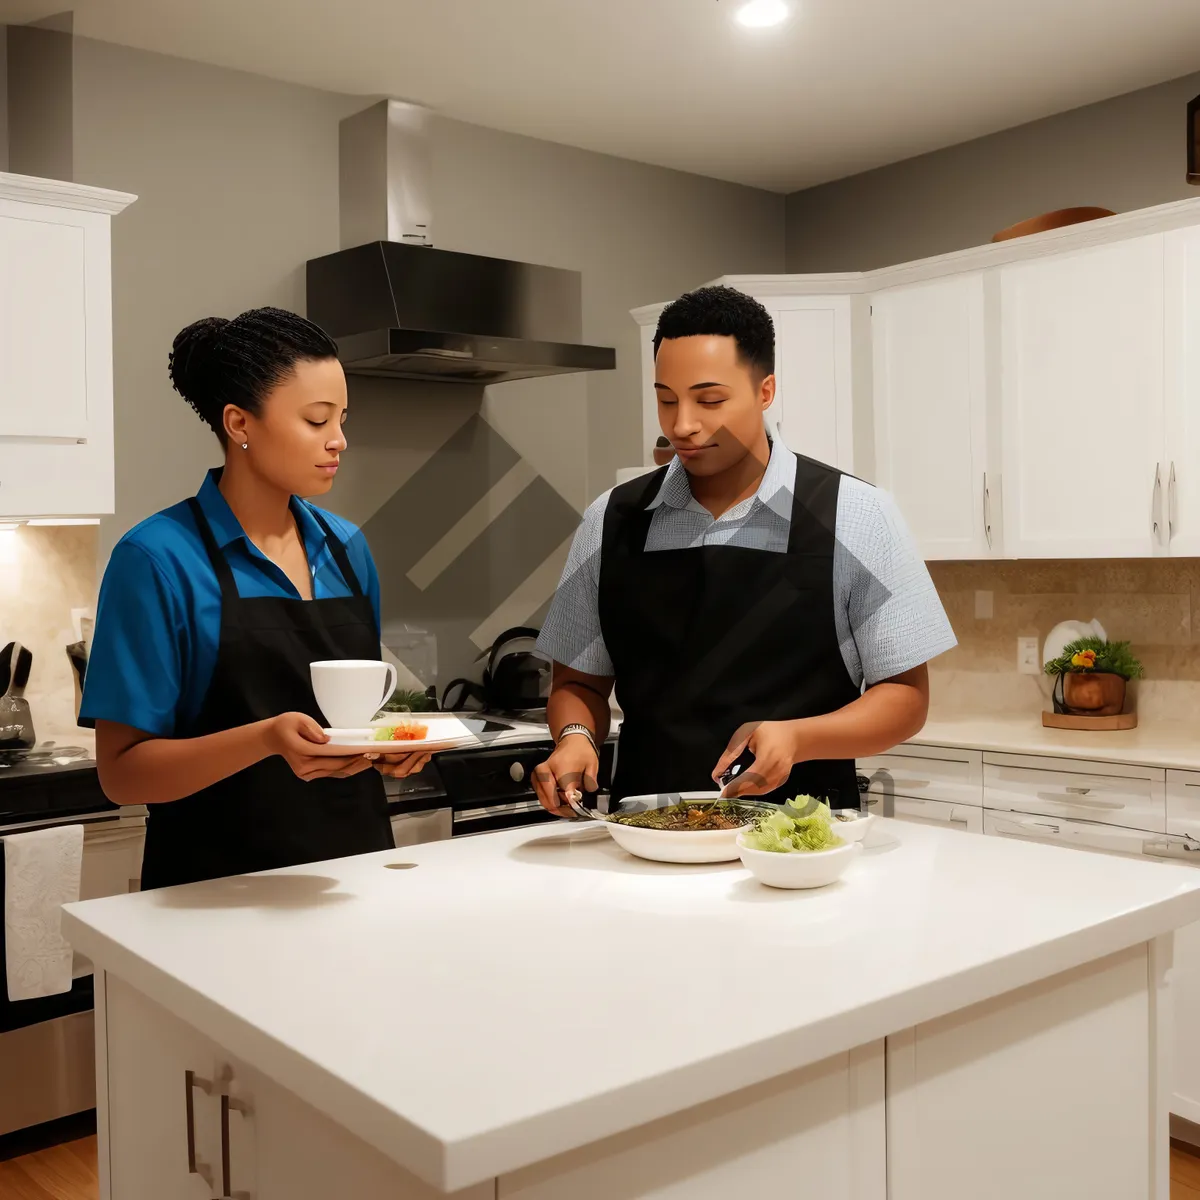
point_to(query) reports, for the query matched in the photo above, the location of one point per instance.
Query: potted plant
(1093, 675)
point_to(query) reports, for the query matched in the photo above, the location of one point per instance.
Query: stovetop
(47, 758)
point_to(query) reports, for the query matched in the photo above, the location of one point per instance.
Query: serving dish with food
(680, 827)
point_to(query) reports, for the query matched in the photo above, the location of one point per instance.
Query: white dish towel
(41, 874)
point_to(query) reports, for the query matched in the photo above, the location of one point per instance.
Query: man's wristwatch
(578, 728)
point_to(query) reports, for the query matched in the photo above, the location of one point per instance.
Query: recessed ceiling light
(762, 14)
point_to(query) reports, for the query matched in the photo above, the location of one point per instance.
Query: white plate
(445, 732)
(676, 846)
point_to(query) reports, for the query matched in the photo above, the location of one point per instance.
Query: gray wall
(237, 182)
(1122, 154)
(39, 89)
(3, 97)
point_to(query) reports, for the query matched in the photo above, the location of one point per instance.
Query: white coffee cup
(351, 691)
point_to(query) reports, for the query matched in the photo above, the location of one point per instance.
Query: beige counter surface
(1158, 744)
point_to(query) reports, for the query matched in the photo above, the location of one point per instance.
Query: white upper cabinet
(56, 443)
(813, 409)
(930, 384)
(1032, 398)
(1083, 402)
(1181, 455)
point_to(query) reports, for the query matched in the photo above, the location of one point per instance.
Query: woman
(211, 611)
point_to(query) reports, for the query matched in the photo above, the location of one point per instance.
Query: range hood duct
(400, 307)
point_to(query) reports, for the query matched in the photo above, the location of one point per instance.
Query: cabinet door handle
(987, 510)
(1171, 504)
(229, 1103)
(192, 1081)
(1156, 502)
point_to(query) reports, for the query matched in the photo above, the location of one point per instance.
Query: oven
(47, 1045)
(481, 789)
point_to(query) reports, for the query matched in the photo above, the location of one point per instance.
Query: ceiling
(847, 85)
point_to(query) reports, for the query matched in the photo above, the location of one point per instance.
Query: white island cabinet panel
(817, 1132)
(271, 1146)
(971, 1098)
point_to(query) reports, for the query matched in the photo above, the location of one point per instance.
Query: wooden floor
(68, 1172)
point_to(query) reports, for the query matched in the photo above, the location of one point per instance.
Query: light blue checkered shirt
(888, 616)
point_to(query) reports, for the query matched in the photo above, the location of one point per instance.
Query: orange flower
(1085, 659)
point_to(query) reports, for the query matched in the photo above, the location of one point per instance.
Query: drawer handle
(192, 1081)
(1075, 802)
(516, 772)
(229, 1102)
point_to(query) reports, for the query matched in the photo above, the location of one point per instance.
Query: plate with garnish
(404, 733)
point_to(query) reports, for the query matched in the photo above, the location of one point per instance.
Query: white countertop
(520, 994)
(1160, 744)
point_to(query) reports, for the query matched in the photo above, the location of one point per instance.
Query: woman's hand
(292, 736)
(399, 766)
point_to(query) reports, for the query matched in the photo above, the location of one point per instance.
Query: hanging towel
(41, 874)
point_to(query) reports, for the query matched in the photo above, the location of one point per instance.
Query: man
(752, 606)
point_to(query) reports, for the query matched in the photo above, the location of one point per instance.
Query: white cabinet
(1083, 402)
(1183, 819)
(813, 409)
(1181, 457)
(224, 1130)
(930, 389)
(1110, 794)
(56, 423)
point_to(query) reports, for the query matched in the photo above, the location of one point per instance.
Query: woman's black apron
(706, 639)
(265, 817)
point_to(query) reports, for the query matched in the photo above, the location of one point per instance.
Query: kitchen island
(535, 1015)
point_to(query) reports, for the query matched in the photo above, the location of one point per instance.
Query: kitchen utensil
(17, 734)
(515, 679)
(351, 691)
(574, 798)
(800, 869)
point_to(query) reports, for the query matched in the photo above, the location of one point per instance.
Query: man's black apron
(706, 639)
(265, 817)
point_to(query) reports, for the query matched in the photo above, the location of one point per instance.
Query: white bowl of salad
(797, 846)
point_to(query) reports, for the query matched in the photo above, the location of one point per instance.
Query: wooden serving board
(1053, 720)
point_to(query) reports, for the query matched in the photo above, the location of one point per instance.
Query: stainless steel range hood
(400, 307)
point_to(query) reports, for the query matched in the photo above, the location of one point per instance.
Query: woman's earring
(245, 445)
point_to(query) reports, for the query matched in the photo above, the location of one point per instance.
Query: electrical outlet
(1027, 656)
(984, 606)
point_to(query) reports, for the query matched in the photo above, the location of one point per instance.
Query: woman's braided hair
(215, 362)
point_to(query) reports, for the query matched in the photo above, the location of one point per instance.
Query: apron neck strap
(220, 563)
(338, 550)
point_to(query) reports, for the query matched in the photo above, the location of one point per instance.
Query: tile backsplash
(45, 572)
(1148, 602)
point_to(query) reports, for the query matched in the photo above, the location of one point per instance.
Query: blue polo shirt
(158, 621)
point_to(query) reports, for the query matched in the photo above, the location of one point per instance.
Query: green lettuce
(801, 825)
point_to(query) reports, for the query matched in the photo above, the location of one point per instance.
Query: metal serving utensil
(574, 798)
